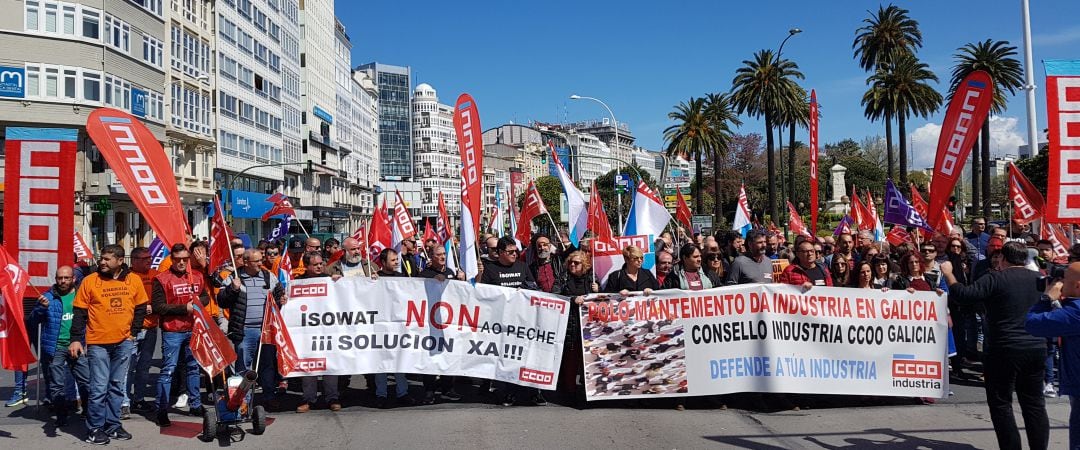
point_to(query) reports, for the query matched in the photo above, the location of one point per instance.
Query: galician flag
(742, 213)
(647, 216)
(575, 201)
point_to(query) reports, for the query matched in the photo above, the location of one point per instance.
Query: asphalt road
(959, 422)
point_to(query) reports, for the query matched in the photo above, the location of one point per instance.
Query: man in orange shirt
(145, 342)
(109, 309)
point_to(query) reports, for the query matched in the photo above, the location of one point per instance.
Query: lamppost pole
(780, 138)
(615, 124)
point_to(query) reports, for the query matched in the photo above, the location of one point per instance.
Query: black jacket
(513, 276)
(572, 286)
(235, 300)
(618, 280)
(1008, 296)
(556, 268)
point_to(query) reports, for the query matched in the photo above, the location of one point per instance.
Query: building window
(91, 24)
(117, 33)
(153, 50)
(190, 109)
(117, 92)
(154, 6)
(91, 86)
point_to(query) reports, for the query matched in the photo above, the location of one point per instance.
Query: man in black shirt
(1014, 358)
(508, 271)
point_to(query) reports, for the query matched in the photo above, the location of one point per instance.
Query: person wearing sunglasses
(577, 283)
(507, 270)
(931, 255)
(631, 277)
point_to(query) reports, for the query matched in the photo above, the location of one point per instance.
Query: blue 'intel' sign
(322, 114)
(12, 82)
(138, 102)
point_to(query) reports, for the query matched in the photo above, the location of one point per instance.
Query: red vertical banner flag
(15, 353)
(379, 233)
(917, 201)
(141, 166)
(1028, 203)
(861, 215)
(443, 231)
(209, 346)
(470, 146)
(1063, 117)
(39, 208)
(967, 111)
(813, 161)
(531, 206)
(1057, 236)
(403, 219)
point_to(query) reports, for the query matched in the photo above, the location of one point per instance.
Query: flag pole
(262, 328)
(555, 231)
(298, 222)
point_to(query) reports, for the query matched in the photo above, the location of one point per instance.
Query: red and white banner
(1056, 235)
(598, 221)
(211, 349)
(39, 208)
(443, 232)
(15, 353)
(897, 235)
(967, 111)
(275, 333)
(813, 161)
(1063, 116)
(607, 258)
(1028, 203)
(82, 251)
(220, 238)
(358, 325)
(403, 223)
(139, 162)
(471, 147)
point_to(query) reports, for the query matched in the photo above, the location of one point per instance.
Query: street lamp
(615, 124)
(780, 133)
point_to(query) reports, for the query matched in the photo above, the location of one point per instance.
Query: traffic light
(951, 204)
(543, 157)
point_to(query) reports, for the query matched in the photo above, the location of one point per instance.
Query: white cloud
(1004, 140)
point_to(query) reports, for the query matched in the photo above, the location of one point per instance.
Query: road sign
(102, 205)
(622, 182)
(704, 221)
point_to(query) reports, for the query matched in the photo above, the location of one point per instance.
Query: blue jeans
(61, 369)
(108, 363)
(400, 381)
(143, 355)
(20, 385)
(173, 345)
(248, 349)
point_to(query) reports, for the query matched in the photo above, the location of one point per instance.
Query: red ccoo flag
(682, 212)
(379, 233)
(220, 247)
(275, 333)
(968, 109)
(813, 161)
(15, 353)
(796, 224)
(861, 215)
(598, 221)
(917, 201)
(282, 205)
(443, 232)
(1028, 203)
(209, 346)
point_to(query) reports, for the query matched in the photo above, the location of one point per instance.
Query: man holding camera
(1015, 360)
(1058, 314)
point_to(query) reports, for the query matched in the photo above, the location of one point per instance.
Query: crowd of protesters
(100, 328)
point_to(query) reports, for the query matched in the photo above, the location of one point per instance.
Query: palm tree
(761, 88)
(721, 116)
(792, 114)
(880, 40)
(907, 93)
(998, 59)
(877, 107)
(692, 136)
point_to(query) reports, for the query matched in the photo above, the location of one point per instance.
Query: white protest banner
(765, 338)
(411, 325)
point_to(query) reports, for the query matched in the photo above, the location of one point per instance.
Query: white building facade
(436, 160)
(364, 170)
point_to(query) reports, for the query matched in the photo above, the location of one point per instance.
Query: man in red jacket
(806, 272)
(172, 294)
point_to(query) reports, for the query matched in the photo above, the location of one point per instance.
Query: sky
(522, 60)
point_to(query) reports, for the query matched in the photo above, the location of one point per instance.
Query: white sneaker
(181, 402)
(1049, 391)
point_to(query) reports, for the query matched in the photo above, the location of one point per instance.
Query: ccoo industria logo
(908, 372)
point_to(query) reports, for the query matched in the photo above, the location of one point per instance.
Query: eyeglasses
(510, 250)
(956, 246)
(271, 253)
(929, 250)
(574, 263)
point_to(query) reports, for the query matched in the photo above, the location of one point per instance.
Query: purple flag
(898, 211)
(158, 252)
(280, 230)
(844, 227)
